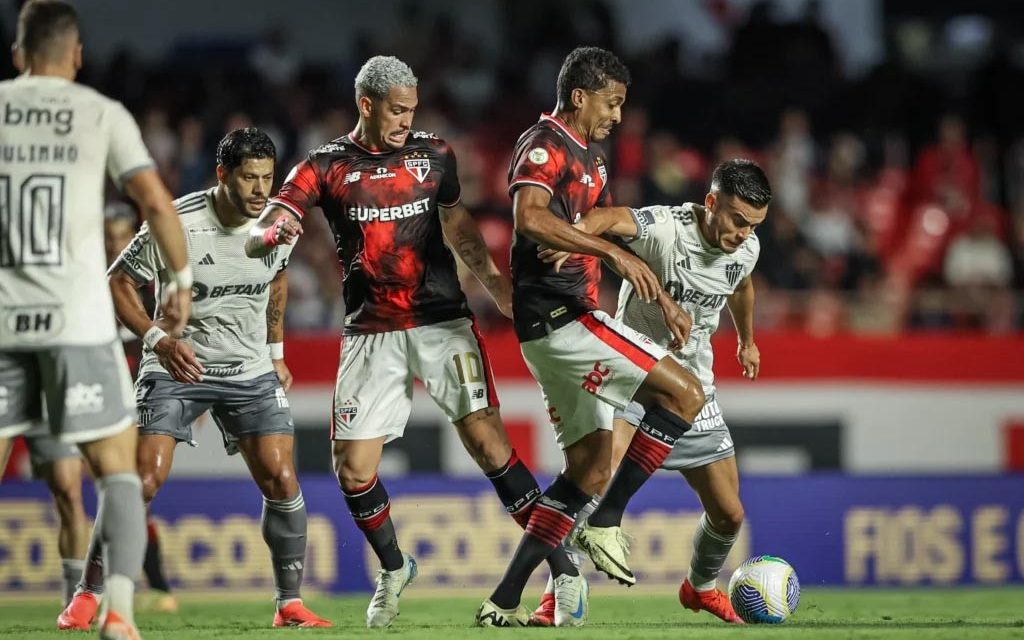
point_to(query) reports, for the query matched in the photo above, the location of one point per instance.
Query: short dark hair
(245, 143)
(744, 179)
(589, 68)
(43, 24)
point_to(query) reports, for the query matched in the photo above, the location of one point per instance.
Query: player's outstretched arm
(463, 236)
(275, 326)
(535, 220)
(616, 221)
(276, 226)
(154, 201)
(741, 308)
(175, 356)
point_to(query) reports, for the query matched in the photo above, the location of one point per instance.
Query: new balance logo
(207, 260)
(587, 180)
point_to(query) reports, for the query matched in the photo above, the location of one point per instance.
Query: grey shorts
(86, 390)
(245, 409)
(707, 441)
(45, 449)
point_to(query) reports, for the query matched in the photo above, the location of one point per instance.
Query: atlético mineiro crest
(732, 273)
(418, 167)
(269, 259)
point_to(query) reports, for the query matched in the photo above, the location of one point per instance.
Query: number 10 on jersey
(32, 221)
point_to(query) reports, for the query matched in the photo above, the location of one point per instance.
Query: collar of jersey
(211, 212)
(558, 122)
(352, 138)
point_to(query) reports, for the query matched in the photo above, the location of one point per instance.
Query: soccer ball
(764, 590)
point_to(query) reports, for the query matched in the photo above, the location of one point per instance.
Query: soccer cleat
(607, 547)
(489, 615)
(80, 612)
(383, 607)
(571, 601)
(295, 614)
(157, 601)
(714, 602)
(114, 628)
(544, 615)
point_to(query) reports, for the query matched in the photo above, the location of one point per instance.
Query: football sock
(649, 447)
(573, 554)
(552, 519)
(371, 509)
(92, 574)
(518, 491)
(152, 565)
(121, 519)
(284, 530)
(71, 573)
(710, 549)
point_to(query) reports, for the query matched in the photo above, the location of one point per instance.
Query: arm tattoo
(472, 250)
(275, 313)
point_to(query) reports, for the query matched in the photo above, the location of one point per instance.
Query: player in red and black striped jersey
(586, 362)
(391, 196)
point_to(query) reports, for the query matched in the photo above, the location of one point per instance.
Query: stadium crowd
(900, 191)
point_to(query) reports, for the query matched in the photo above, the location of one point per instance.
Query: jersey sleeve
(540, 162)
(285, 256)
(140, 259)
(301, 189)
(449, 193)
(656, 231)
(127, 155)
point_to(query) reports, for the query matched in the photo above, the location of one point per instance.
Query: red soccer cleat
(295, 614)
(714, 602)
(544, 616)
(80, 612)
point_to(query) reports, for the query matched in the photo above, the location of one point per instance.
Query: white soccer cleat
(572, 594)
(489, 615)
(383, 607)
(608, 548)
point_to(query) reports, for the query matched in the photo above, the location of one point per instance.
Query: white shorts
(373, 394)
(588, 368)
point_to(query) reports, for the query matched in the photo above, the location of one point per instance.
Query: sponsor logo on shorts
(710, 417)
(595, 378)
(83, 398)
(282, 399)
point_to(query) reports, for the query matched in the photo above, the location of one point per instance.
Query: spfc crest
(346, 414)
(733, 273)
(418, 167)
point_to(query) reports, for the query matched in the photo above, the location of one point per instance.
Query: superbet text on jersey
(551, 156)
(382, 209)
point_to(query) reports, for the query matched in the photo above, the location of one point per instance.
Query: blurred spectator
(978, 258)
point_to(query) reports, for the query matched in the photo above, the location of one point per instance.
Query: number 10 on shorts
(469, 368)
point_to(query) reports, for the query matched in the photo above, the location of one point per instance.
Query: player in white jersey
(229, 360)
(703, 256)
(58, 344)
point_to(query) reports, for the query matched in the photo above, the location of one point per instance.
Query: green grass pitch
(823, 613)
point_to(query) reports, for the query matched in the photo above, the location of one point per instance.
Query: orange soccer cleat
(295, 614)
(80, 612)
(544, 616)
(114, 628)
(714, 602)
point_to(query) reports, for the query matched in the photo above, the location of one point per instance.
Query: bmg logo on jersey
(595, 378)
(39, 116)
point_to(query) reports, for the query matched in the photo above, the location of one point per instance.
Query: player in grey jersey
(229, 360)
(59, 343)
(703, 256)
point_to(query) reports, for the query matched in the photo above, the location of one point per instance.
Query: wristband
(276, 350)
(153, 336)
(182, 279)
(270, 238)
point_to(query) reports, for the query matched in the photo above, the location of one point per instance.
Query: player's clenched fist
(285, 230)
(749, 357)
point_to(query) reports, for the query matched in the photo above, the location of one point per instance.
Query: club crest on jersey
(602, 170)
(733, 272)
(418, 167)
(268, 260)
